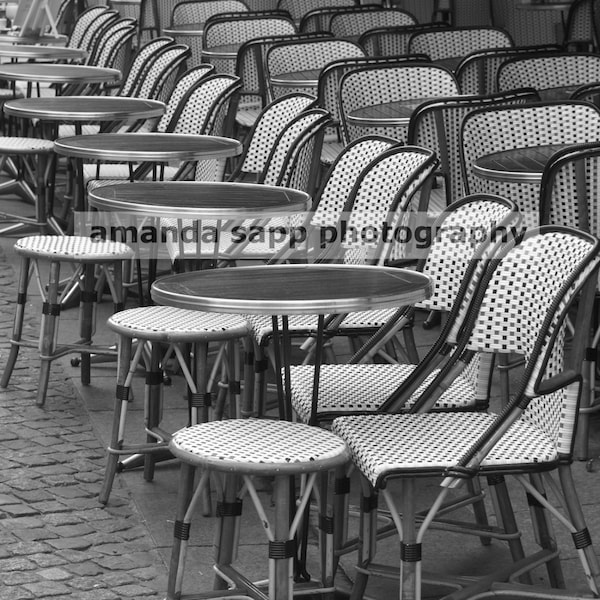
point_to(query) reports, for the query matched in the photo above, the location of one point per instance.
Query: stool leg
(50, 318)
(86, 319)
(153, 408)
(281, 570)
(120, 411)
(18, 321)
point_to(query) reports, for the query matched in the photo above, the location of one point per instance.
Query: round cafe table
(38, 52)
(57, 74)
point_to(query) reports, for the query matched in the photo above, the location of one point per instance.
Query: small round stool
(179, 329)
(85, 255)
(35, 161)
(237, 449)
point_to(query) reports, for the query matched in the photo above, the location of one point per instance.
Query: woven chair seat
(259, 446)
(375, 382)
(25, 145)
(430, 442)
(73, 248)
(165, 323)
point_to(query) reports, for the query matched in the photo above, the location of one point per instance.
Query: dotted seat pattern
(523, 310)
(382, 445)
(191, 11)
(259, 446)
(457, 42)
(72, 248)
(437, 124)
(379, 84)
(353, 24)
(477, 73)
(363, 388)
(490, 130)
(304, 55)
(580, 28)
(169, 324)
(84, 24)
(113, 45)
(545, 72)
(25, 145)
(221, 31)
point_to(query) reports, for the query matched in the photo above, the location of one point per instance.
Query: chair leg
(17, 331)
(50, 318)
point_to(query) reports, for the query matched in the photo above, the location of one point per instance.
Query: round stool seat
(25, 145)
(259, 446)
(168, 324)
(72, 248)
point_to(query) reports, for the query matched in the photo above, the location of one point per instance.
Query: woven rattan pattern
(74, 248)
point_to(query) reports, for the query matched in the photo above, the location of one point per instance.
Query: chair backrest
(493, 129)
(550, 72)
(294, 159)
(142, 59)
(525, 299)
(161, 72)
(192, 11)
(458, 41)
(95, 29)
(113, 47)
(384, 196)
(261, 139)
(319, 19)
(303, 55)
(367, 86)
(570, 187)
(250, 63)
(581, 28)
(436, 124)
(393, 41)
(187, 82)
(298, 8)
(354, 24)
(477, 72)
(84, 23)
(220, 30)
(332, 73)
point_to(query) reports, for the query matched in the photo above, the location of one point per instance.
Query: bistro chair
(456, 267)
(352, 25)
(393, 41)
(567, 197)
(436, 124)
(448, 47)
(250, 68)
(374, 85)
(304, 55)
(145, 13)
(87, 25)
(188, 18)
(555, 77)
(407, 172)
(230, 32)
(42, 256)
(114, 47)
(477, 72)
(497, 128)
(540, 276)
(328, 97)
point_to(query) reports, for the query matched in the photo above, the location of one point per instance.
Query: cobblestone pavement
(56, 541)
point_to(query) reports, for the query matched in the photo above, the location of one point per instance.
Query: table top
(57, 73)
(308, 78)
(36, 51)
(199, 199)
(292, 289)
(517, 165)
(191, 28)
(84, 108)
(224, 51)
(134, 147)
(13, 37)
(397, 112)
